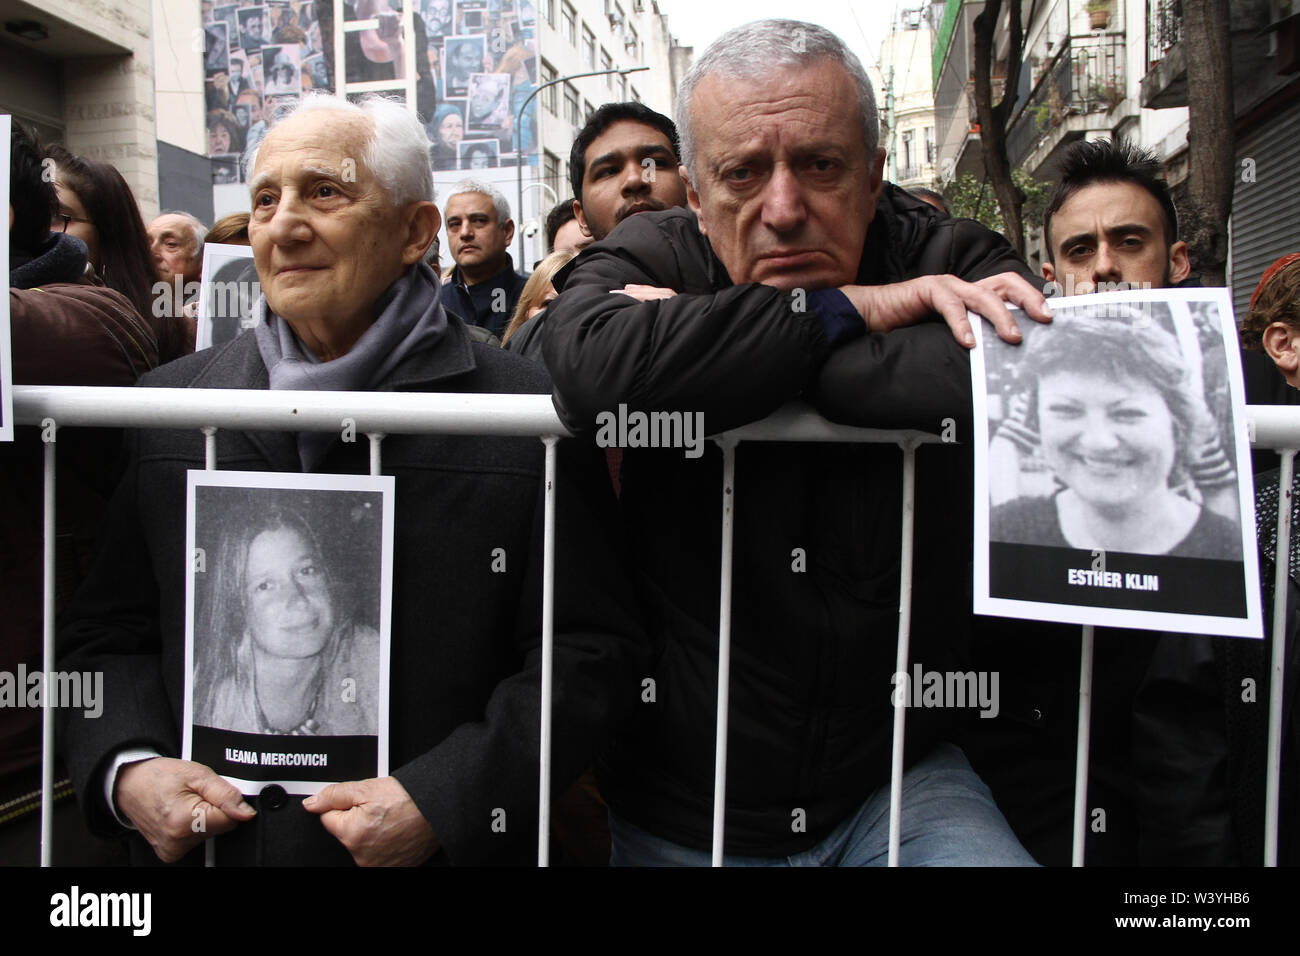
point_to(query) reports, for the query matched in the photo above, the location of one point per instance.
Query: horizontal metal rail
(378, 414)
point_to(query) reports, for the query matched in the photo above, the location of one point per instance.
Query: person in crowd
(447, 132)
(279, 632)
(97, 206)
(176, 241)
(231, 230)
(624, 161)
(484, 287)
(348, 304)
(563, 233)
(1201, 723)
(1119, 418)
(1111, 219)
(537, 294)
(66, 328)
(935, 199)
(797, 272)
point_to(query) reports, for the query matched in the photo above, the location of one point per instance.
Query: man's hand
(644, 293)
(888, 307)
(376, 821)
(177, 804)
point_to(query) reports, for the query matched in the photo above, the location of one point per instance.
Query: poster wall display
(1112, 471)
(489, 105)
(226, 295)
(287, 639)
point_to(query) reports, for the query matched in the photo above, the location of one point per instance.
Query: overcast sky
(862, 24)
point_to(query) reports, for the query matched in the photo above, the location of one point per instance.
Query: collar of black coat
(238, 364)
(62, 258)
(504, 277)
(901, 226)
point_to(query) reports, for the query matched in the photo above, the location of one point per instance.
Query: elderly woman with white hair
(342, 200)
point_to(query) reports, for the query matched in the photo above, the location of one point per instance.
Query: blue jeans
(949, 819)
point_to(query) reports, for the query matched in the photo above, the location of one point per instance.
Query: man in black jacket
(796, 271)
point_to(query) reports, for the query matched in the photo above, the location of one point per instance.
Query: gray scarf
(410, 318)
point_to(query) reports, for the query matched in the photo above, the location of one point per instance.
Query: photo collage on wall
(475, 65)
(481, 58)
(258, 59)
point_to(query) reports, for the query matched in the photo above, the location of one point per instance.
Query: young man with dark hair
(1112, 219)
(563, 234)
(624, 161)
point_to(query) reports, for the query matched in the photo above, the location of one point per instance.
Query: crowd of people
(747, 255)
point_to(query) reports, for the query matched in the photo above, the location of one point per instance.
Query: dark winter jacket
(816, 577)
(488, 304)
(466, 662)
(1201, 729)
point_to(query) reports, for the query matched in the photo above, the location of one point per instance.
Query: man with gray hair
(796, 272)
(483, 287)
(176, 241)
(342, 215)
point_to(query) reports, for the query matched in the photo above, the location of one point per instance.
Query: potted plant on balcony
(1098, 14)
(1105, 94)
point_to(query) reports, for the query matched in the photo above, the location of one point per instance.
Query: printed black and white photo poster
(462, 57)
(1112, 473)
(226, 294)
(287, 636)
(6, 368)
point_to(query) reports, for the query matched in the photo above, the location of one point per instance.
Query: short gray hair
(754, 50)
(487, 189)
(397, 152)
(200, 230)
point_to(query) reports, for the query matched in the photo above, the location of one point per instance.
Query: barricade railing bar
(377, 414)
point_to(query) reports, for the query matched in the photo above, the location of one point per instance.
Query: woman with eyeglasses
(97, 206)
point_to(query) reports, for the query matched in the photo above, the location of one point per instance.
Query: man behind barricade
(795, 271)
(483, 288)
(1110, 225)
(342, 216)
(624, 161)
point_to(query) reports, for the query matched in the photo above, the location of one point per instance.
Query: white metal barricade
(379, 414)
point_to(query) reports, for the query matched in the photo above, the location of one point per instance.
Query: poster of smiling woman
(287, 627)
(1112, 474)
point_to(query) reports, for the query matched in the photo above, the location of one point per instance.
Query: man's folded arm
(735, 354)
(915, 377)
(600, 658)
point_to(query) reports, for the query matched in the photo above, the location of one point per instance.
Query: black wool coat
(466, 661)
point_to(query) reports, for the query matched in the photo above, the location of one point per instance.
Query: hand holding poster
(287, 627)
(1108, 488)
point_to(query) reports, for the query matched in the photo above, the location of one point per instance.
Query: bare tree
(1211, 156)
(993, 118)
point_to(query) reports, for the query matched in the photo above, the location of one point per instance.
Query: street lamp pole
(519, 117)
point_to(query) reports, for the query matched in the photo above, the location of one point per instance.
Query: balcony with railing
(1255, 64)
(1072, 92)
